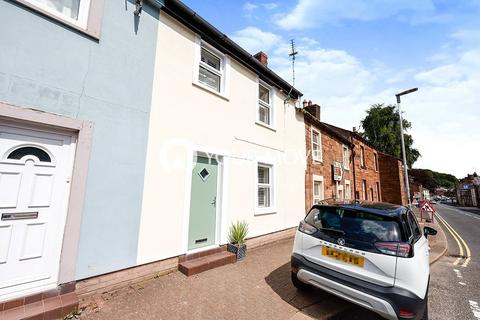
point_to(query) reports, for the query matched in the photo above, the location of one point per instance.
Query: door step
(46, 306)
(203, 261)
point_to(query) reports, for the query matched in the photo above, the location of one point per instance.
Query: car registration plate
(343, 256)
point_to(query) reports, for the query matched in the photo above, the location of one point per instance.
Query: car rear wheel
(301, 286)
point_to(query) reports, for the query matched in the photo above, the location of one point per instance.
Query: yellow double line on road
(459, 241)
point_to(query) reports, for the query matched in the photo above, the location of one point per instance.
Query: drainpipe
(354, 174)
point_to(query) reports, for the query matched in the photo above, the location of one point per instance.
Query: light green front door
(203, 212)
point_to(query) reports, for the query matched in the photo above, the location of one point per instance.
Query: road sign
(426, 206)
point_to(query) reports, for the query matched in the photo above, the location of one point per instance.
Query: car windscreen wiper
(332, 230)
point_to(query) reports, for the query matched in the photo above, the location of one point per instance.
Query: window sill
(210, 90)
(266, 126)
(92, 29)
(264, 211)
(318, 160)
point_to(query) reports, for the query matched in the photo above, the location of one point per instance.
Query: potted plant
(236, 237)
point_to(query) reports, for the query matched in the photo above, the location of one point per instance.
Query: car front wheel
(299, 284)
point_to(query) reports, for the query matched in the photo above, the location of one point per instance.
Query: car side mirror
(427, 231)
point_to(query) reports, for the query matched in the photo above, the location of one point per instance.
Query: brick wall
(368, 172)
(332, 150)
(392, 180)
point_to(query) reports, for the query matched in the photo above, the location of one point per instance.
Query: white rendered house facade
(225, 144)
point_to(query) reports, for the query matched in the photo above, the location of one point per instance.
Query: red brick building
(392, 179)
(329, 167)
(367, 186)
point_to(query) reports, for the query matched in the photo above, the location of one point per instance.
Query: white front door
(35, 170)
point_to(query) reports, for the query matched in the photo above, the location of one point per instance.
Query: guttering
(220, 41)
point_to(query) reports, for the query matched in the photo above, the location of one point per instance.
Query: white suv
(372, 254)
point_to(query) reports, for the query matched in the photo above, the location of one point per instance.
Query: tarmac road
(455, 279)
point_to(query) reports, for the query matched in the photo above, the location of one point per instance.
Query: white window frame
(272, 208)
(346, 157)
(82, 12)
(224, 71)
(89, 15)
(362, 156)
(348, 190)
(339, 188)
(321, 196)
(319, 156)
(364, 190)
(271, 106)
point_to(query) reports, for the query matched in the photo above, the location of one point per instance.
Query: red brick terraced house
(329, 163)
(365, 164)
(392, 179)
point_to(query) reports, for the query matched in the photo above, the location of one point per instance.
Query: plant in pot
(236, 237)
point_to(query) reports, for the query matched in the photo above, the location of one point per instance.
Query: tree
(431, 179)
(382, 129)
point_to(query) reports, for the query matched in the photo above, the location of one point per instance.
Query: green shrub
(238, 232)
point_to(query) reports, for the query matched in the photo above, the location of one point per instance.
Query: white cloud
(248, 6)
(254, 40)
(270, 6)
(310, 13)
(448, 113)
(252, 10)
(467, 36)
(445, 112)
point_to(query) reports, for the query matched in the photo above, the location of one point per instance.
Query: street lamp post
(405, 167)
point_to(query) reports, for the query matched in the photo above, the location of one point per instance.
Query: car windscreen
(359, 229)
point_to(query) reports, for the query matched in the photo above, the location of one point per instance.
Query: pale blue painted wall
(47, 66)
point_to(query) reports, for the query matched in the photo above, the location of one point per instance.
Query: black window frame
(414, 238)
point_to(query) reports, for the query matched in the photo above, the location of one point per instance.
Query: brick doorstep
(201, 264)
(47, 308)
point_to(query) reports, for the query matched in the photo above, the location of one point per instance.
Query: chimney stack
(262, 57)
(354, 129)
(312, 108)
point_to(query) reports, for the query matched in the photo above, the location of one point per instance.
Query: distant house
(329, 160)
(417, 191)
(468, 191)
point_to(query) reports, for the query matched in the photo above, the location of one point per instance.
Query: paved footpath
(257, 288)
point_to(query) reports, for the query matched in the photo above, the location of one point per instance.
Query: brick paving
(258, 287)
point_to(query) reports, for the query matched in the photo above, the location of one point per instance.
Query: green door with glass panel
(203, 202)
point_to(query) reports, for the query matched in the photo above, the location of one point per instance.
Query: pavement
(258, 287)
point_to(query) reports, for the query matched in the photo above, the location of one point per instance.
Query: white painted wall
(185, 118)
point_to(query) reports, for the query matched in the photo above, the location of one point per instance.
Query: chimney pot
(313, 109)
(305, 103)
(354, 129)
(262, 57)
